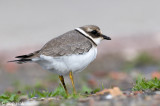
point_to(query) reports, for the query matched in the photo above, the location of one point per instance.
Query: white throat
(95, 40)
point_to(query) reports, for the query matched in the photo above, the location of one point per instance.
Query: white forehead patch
(95, 40)
(89, 29)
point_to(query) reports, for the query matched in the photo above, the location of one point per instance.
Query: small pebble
(23, 98)
(157, 92)
(30, 103)
(105, 97)
(84, 99)
(109, 96)
(51, 98)
(42, 99)
(34, 98)
(126, 93)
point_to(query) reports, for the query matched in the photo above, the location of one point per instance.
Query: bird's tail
(25, 58)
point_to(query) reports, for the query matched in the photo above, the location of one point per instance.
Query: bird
(68, 53)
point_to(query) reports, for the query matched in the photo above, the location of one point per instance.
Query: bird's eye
(94, 32)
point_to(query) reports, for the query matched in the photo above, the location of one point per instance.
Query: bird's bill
(106, 37)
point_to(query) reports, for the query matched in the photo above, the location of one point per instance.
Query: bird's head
(93, 32)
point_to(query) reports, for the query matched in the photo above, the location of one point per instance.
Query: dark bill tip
(106, 37)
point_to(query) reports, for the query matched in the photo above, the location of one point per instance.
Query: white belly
(63, 64)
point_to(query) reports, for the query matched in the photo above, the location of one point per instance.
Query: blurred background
(133, 25)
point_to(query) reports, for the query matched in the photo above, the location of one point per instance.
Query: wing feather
(69, 43)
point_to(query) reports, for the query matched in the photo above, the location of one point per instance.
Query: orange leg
(72, 80)
(63, 83)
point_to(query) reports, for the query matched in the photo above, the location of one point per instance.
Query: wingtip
(11, 61)
(22, 56)
(17, 61)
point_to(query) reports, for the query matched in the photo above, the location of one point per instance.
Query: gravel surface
(127, 98)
